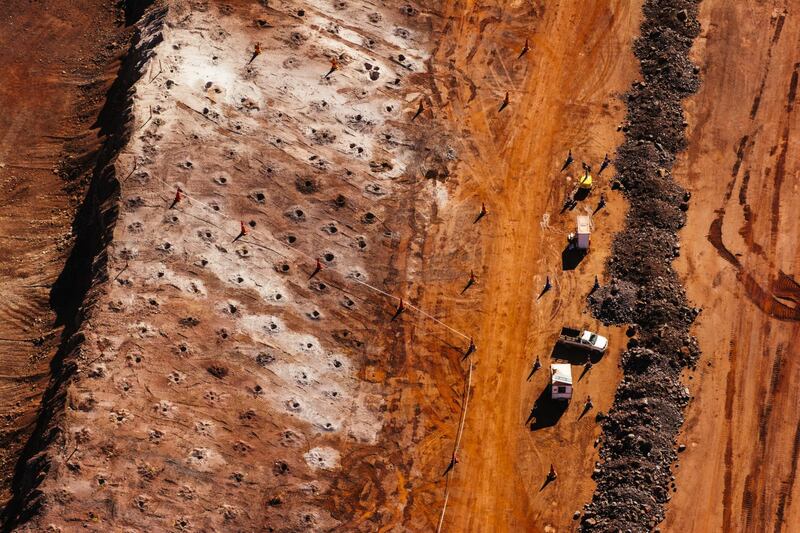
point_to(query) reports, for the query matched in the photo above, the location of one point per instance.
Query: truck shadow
(574, 356)
(546, 411)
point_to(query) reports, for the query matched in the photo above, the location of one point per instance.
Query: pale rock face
(322, 458)
(219, 355)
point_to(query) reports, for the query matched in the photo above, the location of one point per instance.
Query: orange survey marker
(400, 309)
(567, 162)
(317, 269)
(470, 282)
(504, 104)
(242, 231)
(256, 53)
(524, 49)
(604, 164)
(178, 197)
(334, 67)
(420, 109)
(470, 349)
(451, 465)
(483, 212)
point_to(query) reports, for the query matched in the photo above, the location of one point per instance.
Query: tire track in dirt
(776, 34)
(730, 394)
(753, 503)
(787, 487)
(780, 174)
(740, 465)
(755, 291)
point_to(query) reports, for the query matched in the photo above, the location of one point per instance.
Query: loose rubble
(634, 479)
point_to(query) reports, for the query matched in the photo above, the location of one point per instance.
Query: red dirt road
(741, 264)
(563, 95)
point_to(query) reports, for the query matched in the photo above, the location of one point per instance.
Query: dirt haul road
(564, 95)
(741, 264)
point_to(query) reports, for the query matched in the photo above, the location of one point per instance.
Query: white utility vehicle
(585, 340)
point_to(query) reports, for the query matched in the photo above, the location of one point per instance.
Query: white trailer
(561, 381)
(584, 232)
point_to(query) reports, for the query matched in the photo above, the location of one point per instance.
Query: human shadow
(581, 194)
(547, 481)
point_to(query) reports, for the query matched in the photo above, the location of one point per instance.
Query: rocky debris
(639, 432)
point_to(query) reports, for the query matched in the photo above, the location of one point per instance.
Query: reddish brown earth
(58, 59)
(198, 390)
(190, 411)
(741, 264)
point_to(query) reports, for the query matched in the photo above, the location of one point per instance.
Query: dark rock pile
(634, 479)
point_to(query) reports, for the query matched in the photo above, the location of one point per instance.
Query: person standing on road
(504, 104)
(567, 162)
(604, 164)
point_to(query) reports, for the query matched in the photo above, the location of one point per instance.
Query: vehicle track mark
(775, 376)
(747, 502)
(746, 231)
(788, 485)
(737, 163)
(765, 301)
(778, 29)
(775, 36)
(485, 22)
(715, 238)
(780, 174)
(730, 393)
(786, 287)
(790, 98)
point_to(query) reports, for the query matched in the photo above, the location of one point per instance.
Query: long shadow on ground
(546, 411)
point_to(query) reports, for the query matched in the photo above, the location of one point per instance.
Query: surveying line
(459, 434)
(411, 306)
(272, 237)
(444, 506)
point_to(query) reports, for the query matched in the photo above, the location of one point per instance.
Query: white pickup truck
(585, 340)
